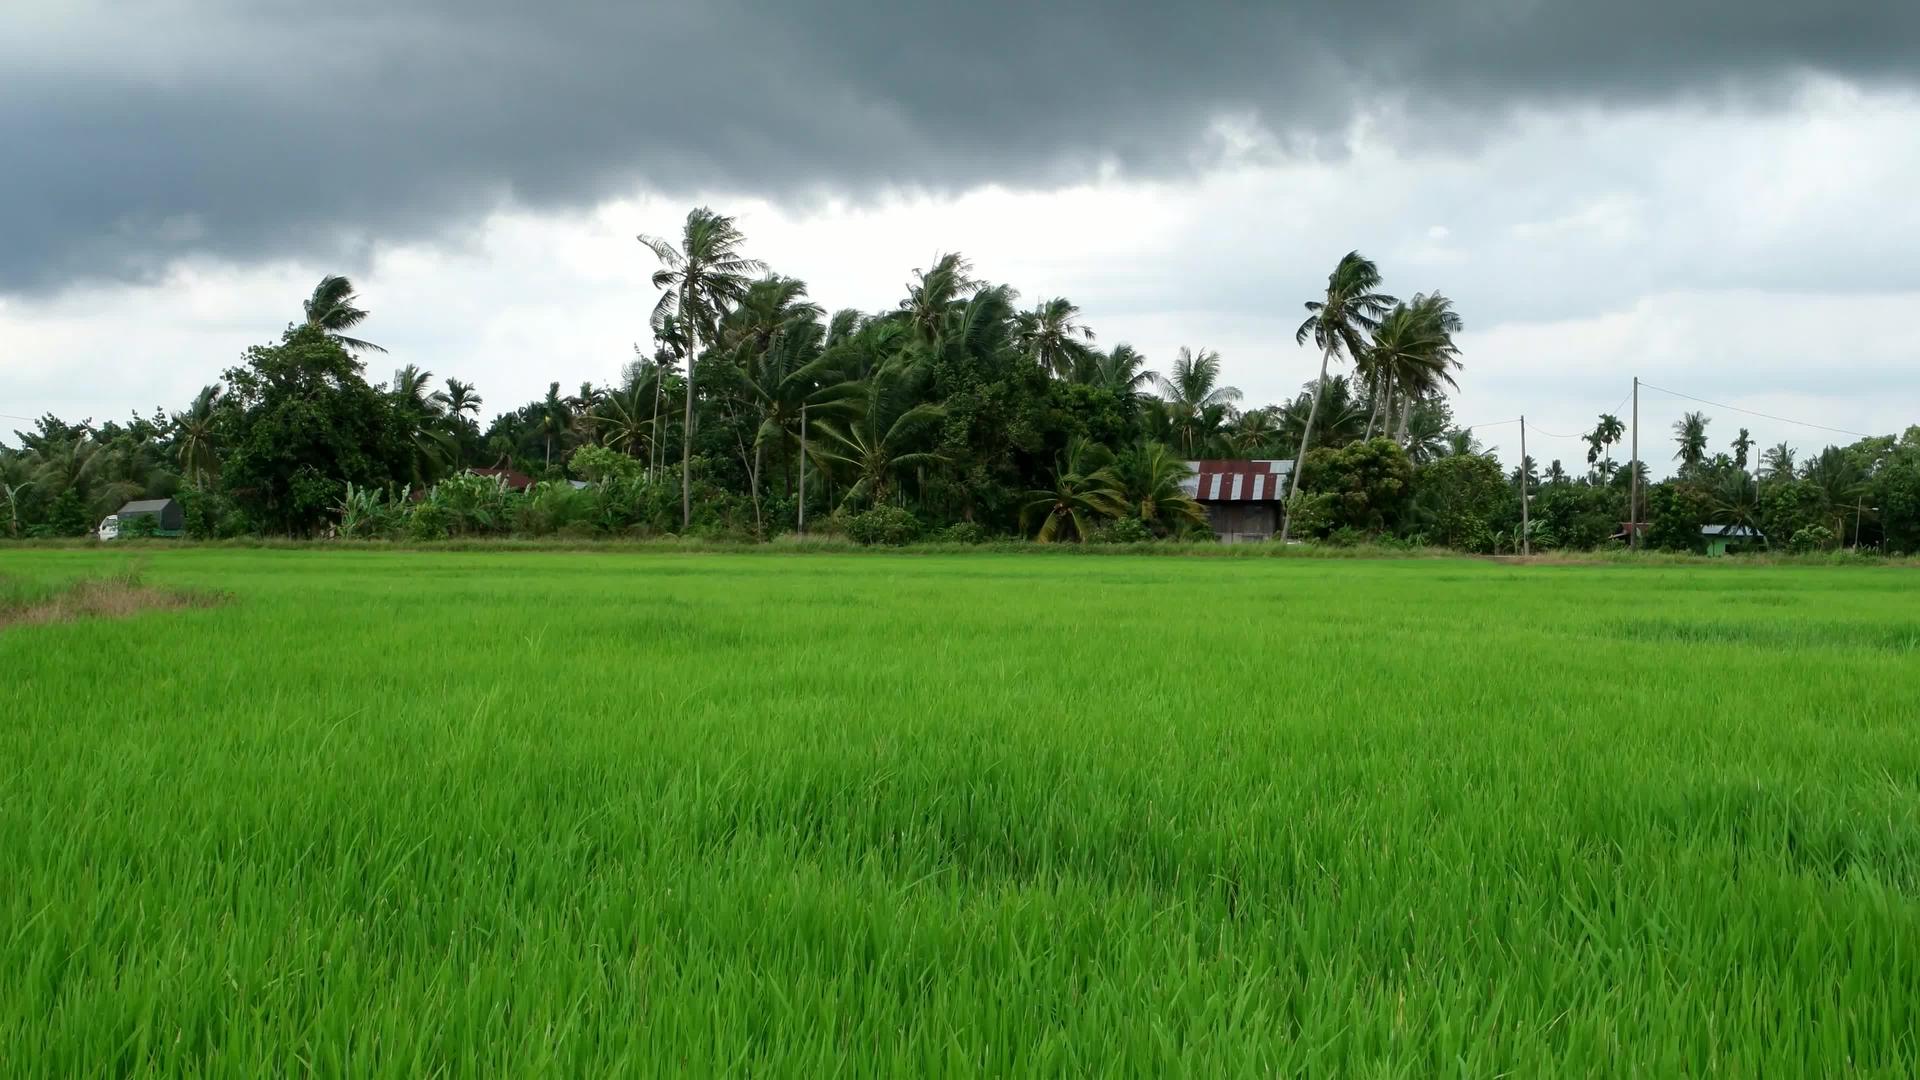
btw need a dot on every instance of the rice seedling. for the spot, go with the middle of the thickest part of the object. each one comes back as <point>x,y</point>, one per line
<point>391,813</point>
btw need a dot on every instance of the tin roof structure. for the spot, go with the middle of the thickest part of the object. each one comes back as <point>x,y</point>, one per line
<point>1230,480</point>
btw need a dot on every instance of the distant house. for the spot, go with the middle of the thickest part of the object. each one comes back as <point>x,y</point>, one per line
<point>1717,537</point>
<point>515,480</point>
<point>169,518</point>
<point>1243,498</point>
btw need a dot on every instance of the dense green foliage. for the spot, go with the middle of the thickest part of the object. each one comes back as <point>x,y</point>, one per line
<point>595,814</point>
<point>758,414</point>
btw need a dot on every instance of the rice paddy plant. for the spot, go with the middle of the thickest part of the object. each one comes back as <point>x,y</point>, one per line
<point>470,813</point>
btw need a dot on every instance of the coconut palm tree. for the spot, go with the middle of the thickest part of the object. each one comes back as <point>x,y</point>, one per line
<point>334,309</point>
<point>1425,437</point>
<point>698,281</point>
<point>1255,432</point>
<point>1690,432</point>
<point>1777,462</point>
<point>877,445</point>
<point>1195,402</point>
<point>622,418</point>
<point>932,293</point>
<point>1052,336</point>
<point>1411,356</point>
<point>1084,490</point>
<point>1122,372</point>
<point>1150,480</point>
<point>1338,322</point>
<point>1735,500</point>
<point>1840,482</point>
<point>194,438</point>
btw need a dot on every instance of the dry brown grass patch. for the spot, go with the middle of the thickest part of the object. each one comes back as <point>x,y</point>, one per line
<point>116,597</point>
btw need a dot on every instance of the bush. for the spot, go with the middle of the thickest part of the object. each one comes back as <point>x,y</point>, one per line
<point>429,521</point>
<point>1811,538</point>
<point>888,525</point>
<point>1126,530</point>
<point>963,532</point>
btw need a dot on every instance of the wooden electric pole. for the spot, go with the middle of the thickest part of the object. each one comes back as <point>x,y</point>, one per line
<point>1526,541</point>
<point>1633,497</point>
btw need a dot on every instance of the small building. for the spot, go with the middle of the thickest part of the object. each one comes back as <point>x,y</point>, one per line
<point>169,518</point>
<point>1243,498</point>
<point>514,479</point>
<point>1718,537</point>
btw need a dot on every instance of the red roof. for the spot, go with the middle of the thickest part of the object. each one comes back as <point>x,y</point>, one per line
<point>1238,480</point>
<point>516,481</point>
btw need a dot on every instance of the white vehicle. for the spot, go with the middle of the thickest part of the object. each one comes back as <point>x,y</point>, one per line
<point>110,527</point>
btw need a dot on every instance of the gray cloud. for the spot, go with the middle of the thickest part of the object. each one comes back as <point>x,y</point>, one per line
<point>137,133</point>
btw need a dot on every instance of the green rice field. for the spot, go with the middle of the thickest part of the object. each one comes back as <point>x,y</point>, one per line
<point>551,813</point>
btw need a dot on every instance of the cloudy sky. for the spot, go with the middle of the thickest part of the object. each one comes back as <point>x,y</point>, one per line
<point>1720,196</point>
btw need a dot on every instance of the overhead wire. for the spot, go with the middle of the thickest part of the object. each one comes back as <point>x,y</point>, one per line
<point>1754,412</point>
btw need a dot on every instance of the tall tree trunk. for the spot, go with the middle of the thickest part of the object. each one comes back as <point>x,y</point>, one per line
<point>803,468</point>
<point>1306,437</point>
<point>1406,416</point>
<point>753,481</point>
<point>653,433</point>
<point>686,435</point>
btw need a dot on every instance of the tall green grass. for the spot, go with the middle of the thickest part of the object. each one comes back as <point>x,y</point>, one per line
<point>466,813</point>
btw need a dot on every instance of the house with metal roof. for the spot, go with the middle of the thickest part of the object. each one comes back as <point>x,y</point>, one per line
<point>1717,537</point>
<point>1243,498</point>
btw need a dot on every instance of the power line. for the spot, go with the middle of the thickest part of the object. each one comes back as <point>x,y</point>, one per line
<point>1491,423</point>
<point>1751,412</point>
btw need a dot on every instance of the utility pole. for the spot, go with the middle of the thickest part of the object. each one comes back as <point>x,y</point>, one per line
<point>1526,541</point>
<point>803,468</point>
<point>1633,498</point>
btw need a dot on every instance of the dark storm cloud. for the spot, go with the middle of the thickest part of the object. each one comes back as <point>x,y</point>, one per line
<point>133,133</point>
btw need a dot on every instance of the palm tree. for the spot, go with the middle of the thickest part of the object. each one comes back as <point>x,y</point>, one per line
<point>1342,417</point>
<point>1194,401</point>
<point>1690,432</point>
<point>459,399</point>
<point>194,438</point>
<point>1742,446</point>
<point>585,407</point>
<point>1122,372</point>
<point>1425,434</point>
<point>1459,442</point>
<point>877,444</point>
<point>1412,353</point>
<point>1600,442</point>
<point>334,309</point>
<point>418,411</point>
<point>932,293</point>
<point>1736,501</point>
<point>1255,432</point>
<point>622,414</point>
<point>1151,484</point>
<point>1084,490</point>
<point>1840,482</point>
<point>1778,462</point>
<point>554,420</point>
<point>698,281</point>
<point>1337,322</point>
<point>1556,475</point>
<point>1052,336</point>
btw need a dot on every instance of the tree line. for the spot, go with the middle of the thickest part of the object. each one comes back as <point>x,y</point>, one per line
<point>960,414</point>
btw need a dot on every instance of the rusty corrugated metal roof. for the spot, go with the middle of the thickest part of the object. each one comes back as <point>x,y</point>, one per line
<point>1231,480</point>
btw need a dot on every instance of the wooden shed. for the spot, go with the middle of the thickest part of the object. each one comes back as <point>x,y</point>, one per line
<point>1243,497</point>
